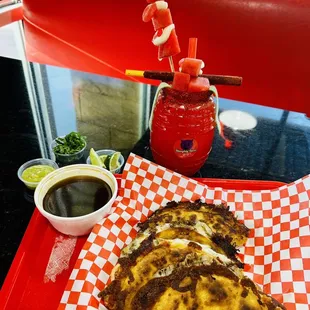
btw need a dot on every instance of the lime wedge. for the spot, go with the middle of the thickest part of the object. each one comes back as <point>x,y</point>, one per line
<point>103,157</point>
<point>112,161</point>
<point>95,159</point>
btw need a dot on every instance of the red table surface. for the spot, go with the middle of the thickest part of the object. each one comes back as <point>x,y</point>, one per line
<point>24,287</point>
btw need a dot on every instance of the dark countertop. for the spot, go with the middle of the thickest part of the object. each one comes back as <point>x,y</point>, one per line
<point>19,143</point>
<point>273,151</point>
<point>277,149</point>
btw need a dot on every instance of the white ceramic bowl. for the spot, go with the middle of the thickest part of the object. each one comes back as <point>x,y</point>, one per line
<point>34,162</point>
<point>108,152</point>
<point>80,225</point>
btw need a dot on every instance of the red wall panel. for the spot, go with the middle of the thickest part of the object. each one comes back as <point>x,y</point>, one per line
<point>266,42</point>
<point>11,14</point>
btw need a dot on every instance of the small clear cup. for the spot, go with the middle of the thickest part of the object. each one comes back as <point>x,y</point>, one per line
<point>68,158</point>
<point>34,162</point>
<point>109,152</point>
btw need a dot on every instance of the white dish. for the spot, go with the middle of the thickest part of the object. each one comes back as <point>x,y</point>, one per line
<point>238,120</point>
<point>80,225</point>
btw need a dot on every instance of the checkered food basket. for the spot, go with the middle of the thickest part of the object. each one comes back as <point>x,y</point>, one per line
<point>277,253</point>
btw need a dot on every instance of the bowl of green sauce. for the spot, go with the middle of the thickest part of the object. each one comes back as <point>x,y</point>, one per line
<point>33,171</point>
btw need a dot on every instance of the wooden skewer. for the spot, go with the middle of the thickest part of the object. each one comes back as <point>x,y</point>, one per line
<point>168,76</point>
<point>171,64</point>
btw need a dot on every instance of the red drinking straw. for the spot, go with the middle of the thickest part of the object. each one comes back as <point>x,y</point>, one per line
<point>192,47</point>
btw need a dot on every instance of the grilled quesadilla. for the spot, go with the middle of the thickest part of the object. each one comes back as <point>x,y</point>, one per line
<point>184,257</point>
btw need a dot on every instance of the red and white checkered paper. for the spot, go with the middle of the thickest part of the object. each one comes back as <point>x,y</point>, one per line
<point>277,252</point>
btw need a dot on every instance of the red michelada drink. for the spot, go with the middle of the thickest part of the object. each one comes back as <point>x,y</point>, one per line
<point>184,114</point>
<point>183,118</point>
<point>182,129</point>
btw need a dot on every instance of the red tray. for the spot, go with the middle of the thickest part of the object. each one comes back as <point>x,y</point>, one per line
<point>24,287</point>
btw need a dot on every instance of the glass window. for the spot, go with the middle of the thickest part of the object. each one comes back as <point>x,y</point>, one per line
<point>6,2</point>
<point>112,113</point>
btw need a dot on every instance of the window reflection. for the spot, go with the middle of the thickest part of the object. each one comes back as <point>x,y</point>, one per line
<point>114,113</point>
<point>61,98</point>
<point>110,112</point>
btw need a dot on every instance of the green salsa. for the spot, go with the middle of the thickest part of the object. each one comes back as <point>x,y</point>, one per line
<point>36,173</point>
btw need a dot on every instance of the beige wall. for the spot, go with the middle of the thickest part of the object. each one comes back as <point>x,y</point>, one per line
<point>109,112</point>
